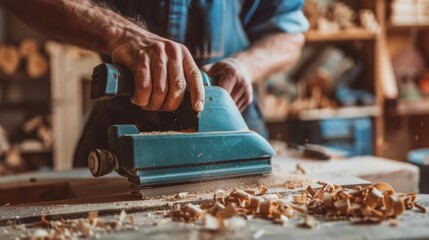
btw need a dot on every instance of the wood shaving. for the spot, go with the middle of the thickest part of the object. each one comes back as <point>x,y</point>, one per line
<point>420,207</point>
<point>393,222</point>
<point>262,189</point>
<point>227,212</point>
<point>299,198</point>
<point>362,204</point>
<point>300,169</point>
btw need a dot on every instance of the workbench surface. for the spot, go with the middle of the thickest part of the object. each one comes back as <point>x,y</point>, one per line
<point>74,195</point>
<point>411,225</point>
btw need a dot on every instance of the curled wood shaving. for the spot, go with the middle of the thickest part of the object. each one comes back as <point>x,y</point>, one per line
<point>362,204</point>
<point>215,208</point>
<point>372,204</point>
<point>262,189</point>
<point>241,197</point>
<point>219,196</point>
<point>299,198</point>
<point>228,212</point>
<point>266,208</point>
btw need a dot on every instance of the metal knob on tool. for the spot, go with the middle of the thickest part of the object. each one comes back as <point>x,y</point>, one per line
<point>101,162</point>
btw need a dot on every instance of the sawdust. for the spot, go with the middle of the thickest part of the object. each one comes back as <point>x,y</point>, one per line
<point>91,227</point>
<point>190,130</point>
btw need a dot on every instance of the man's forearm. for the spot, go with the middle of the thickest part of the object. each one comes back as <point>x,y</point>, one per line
<point>79,22</point>
<point>272,54</point>
<point>162,68</point>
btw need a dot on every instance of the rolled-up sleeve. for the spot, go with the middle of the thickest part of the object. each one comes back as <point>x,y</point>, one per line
<point>265,17</point>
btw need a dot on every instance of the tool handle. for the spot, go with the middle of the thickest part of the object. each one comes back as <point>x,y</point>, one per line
<point>109,81</point>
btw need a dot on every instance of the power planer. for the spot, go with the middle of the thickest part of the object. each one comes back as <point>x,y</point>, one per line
<point>221,146</point>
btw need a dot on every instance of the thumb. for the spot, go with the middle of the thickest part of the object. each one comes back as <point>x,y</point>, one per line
<point>212,69</point>
<point>206,68</point>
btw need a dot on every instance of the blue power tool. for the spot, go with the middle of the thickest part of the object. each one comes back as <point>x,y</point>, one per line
<point>221,147</point>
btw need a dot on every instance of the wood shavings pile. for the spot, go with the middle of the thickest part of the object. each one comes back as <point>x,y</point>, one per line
<point>92,227</point>
<point>374,203</point>
<point>370,204</point>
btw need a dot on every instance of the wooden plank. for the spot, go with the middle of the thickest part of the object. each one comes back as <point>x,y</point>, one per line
<point>348,35</point>
<point>150,225</point>
<point>114,204</point>
<point>109,196</point>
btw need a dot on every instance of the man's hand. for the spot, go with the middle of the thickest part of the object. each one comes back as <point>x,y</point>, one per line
<point>162,69</point>
<point>271,54</point>
<point>234,78</point>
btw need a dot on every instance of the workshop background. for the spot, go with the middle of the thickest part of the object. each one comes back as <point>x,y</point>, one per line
<point>360,88</point>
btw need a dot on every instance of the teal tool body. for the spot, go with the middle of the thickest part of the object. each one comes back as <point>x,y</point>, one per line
<point>221,147</point>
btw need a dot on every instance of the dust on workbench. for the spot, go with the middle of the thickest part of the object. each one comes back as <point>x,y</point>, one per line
<point>230,211</point>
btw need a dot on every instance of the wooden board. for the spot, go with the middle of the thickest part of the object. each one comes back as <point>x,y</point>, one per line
<point>109,195</point>
<point>412,225</point>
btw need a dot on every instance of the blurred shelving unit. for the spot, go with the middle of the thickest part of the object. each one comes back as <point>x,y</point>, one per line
<point>399,124</point>
<point>404,119</point>
<point>23,97</point>
<point>372,78</point>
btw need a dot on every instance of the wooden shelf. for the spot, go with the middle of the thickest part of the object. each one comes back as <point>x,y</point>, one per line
<point>407,27</point>
<point>344,112</point>
<point>349,35</point>
<point>412,107</point>
<point>322,114</point>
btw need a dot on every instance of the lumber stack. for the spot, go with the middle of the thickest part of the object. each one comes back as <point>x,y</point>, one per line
<point>26,56</point>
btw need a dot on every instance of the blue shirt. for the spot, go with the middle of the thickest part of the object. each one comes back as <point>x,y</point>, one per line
<point>215,29</point>
<point>212,30</point>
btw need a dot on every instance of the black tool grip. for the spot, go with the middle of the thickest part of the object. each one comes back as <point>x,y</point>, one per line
<point>109,81</point>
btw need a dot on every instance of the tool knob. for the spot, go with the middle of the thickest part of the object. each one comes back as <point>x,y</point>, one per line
<point>101,162</point>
